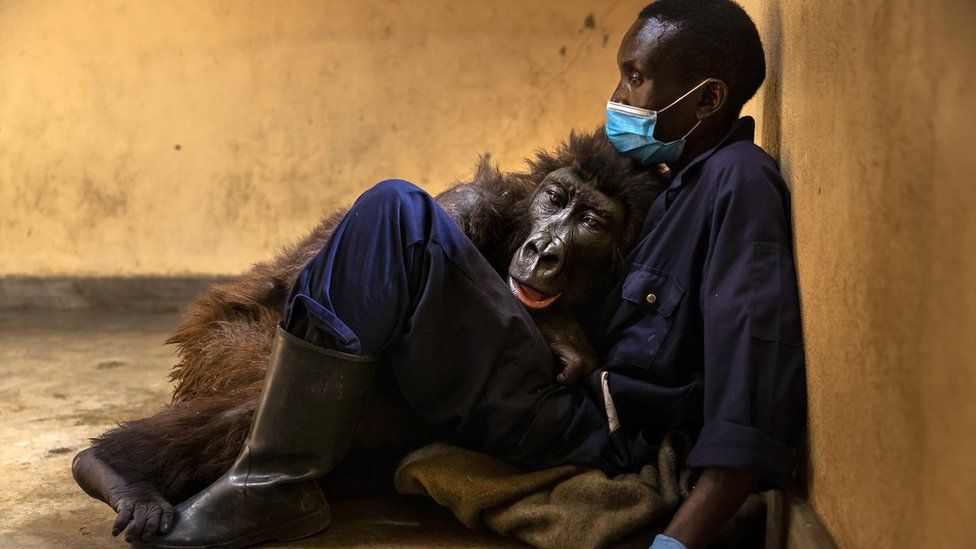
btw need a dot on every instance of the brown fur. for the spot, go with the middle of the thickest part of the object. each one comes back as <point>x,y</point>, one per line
<point>225,337</point>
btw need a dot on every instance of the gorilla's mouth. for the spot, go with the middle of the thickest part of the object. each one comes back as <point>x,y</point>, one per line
<point>532,299</point>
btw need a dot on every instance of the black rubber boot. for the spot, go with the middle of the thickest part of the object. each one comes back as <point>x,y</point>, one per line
<point>306,419</point>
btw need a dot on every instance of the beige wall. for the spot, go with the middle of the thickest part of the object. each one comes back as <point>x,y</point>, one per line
<point>282,111</point>
<point>870,107</point>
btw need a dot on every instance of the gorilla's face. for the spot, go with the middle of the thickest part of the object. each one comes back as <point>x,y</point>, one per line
<point>574,231</point>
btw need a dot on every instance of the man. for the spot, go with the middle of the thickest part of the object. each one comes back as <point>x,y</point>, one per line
<point>702,334</point>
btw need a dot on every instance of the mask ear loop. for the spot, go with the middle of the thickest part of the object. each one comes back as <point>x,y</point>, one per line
<point>689,92</point>
<point>678,100</point>
<point>685,136</point>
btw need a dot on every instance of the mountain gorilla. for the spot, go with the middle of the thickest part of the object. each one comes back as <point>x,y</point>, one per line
<point>558,232</point>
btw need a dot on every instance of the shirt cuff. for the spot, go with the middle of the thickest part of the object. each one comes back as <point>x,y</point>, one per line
<point>666,542</point>
<point>726,444</point>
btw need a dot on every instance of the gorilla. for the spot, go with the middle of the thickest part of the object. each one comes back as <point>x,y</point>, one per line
<point>557,231</point>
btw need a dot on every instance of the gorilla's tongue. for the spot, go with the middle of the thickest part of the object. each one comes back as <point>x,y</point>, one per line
<point>532,299</point>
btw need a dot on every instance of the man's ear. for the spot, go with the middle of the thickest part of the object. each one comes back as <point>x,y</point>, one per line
<point>712,98</point>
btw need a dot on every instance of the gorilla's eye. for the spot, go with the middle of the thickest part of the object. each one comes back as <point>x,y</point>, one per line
<point>553,198</point>
<point>591,221</point>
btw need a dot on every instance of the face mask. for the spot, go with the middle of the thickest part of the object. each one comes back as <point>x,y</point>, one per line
<point>631,130</point>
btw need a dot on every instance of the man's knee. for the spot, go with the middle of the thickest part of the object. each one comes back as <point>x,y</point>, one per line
<point>403,204</point>
<point>394,205</point>
<point>392,192</point>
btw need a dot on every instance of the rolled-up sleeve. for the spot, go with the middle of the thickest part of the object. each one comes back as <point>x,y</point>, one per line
<point>754,379</point>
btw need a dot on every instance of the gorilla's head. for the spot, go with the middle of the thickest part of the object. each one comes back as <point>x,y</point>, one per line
<point>585,211</point>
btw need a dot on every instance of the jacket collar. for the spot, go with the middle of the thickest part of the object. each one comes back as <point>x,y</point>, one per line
<point>742,129</point>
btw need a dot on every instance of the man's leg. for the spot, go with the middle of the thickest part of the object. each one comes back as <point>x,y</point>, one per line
<point>399,278</point>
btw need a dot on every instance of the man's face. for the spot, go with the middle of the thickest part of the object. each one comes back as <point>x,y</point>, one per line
<point>649,79</point>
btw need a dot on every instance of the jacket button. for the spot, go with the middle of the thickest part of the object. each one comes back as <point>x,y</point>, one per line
<point>651,298</point>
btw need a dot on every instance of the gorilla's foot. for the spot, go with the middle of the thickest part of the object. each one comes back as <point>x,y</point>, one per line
<point>228,515</point>
<point>93,475</point>
<point>139,504</point>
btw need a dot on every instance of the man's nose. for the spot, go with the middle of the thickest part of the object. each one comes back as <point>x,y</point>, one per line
<point>618,95</point>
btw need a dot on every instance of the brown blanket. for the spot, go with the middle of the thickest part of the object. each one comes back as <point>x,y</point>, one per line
<point>572,506</point>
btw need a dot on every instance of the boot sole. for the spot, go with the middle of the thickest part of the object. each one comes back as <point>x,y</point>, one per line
<point>290,531</point>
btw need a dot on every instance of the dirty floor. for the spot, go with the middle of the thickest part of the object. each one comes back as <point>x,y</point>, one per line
<point>68,376</point>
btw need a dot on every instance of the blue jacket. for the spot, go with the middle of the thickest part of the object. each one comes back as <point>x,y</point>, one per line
<point>703,332</point>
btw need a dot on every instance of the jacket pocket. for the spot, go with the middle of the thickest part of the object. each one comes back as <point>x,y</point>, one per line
<point>652,296</point>
<point>774,306</point>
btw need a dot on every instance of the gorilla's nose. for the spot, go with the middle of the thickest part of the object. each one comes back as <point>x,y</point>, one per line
<point>546,255</point>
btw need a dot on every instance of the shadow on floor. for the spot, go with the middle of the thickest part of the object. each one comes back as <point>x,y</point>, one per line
<point>68,376</point>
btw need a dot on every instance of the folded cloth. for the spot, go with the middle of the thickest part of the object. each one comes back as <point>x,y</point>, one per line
<point>571,506</point>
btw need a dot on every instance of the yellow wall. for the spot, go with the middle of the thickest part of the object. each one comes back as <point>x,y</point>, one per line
<point>870,107</point>
<point>282,111</point>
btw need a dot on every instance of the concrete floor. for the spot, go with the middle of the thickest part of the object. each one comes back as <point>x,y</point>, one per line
<point>68,376</point>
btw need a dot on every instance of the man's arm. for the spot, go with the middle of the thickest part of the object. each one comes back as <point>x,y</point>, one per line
<point>754,383</point>
<point>717,495</point>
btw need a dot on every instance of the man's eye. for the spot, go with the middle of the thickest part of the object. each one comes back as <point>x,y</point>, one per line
<point>635,79</point>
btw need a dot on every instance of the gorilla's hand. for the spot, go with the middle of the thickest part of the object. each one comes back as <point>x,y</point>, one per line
<point>570,345</point>
<point>143,509</point>
<point>140,505</point>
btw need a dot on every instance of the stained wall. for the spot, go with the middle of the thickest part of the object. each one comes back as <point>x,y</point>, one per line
<point>870,108</point>
<point>195,137</point>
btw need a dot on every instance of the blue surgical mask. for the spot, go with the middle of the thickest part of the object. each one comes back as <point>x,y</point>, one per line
<point>631,130</point>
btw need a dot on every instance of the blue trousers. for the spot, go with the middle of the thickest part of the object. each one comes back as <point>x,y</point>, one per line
<point>398,278</point>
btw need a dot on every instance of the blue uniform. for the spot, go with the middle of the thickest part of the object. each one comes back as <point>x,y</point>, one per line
<point>702,334</point>
<point>704,331</point>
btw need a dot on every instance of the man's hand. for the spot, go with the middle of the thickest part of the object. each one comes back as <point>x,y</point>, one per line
<point>717,495</point>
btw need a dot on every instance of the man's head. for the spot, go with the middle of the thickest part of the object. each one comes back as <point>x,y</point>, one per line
<point>676,44</point>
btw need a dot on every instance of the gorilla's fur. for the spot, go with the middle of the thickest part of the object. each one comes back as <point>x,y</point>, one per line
<point>224,340</point>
